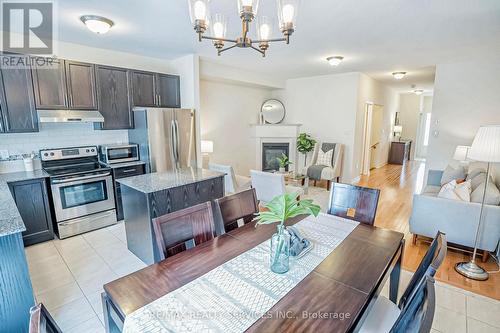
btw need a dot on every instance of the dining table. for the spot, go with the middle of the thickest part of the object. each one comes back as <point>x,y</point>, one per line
<point>335,296</point>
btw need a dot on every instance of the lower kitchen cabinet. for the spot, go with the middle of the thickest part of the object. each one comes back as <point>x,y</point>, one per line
<point>122,172</point>
<point>32,201</point>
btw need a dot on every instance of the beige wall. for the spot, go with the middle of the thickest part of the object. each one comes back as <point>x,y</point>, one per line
<point>466,95</point>
<point>409,108</point>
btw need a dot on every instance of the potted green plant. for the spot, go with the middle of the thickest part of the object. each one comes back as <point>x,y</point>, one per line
<point>305,144</point>
<point>283,161</point>
<point>279,210</point>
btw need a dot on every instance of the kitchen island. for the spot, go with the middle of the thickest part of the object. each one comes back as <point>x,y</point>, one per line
<point>148,196</point>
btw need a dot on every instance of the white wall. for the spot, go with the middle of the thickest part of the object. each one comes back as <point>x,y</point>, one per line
<point>466,95</point>
<point>409,108</point>
<point>228,109</point>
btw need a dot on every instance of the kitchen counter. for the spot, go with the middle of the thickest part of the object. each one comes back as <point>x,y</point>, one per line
<point>159,181</point>
<point>10,220</point>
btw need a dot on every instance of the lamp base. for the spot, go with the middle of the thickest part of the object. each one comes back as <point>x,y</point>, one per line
<point>471,270</point>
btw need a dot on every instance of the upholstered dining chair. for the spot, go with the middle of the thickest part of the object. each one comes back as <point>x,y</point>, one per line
<point>416,317</point>
<point>175,232</point>
<point>326,163</point>
<point>233,183</point>
<point>269,185</point>
<point>388,314</point>
<point>354,202</point>
<point>241,206</point>
<point>41,321</point>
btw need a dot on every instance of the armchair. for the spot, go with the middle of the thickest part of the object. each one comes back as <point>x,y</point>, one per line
<point>328,173</point>
<point>233,183</point>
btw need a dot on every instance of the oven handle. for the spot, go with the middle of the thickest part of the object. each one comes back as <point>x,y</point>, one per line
<point>56,181</point>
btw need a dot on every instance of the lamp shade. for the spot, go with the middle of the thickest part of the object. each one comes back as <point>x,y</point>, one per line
<point>398,129</point>
<point>461,153</point>
<point>207,146</point>
<point>486,144</point>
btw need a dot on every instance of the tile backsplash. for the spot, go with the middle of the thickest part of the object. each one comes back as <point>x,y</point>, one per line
<point>54,135</point>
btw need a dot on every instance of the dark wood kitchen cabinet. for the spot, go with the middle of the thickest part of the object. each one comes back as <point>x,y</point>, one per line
<point>113,98</point>
<point>155,89</point>
<point>123,172</point>
<point>64,84</point>
<point>17,105</point>
<point>32,201</point>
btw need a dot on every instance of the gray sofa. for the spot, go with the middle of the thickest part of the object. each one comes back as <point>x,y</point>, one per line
<point>458,219</point>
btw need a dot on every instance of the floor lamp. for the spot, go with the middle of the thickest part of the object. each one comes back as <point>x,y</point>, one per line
<point>485,148</point>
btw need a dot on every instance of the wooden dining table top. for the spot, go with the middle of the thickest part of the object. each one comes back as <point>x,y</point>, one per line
<point>342,285</point>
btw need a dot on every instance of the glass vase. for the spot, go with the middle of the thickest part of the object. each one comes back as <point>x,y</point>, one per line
<point>280,251</point>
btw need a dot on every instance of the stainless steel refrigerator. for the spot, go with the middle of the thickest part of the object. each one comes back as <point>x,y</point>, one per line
<point>166,138</point>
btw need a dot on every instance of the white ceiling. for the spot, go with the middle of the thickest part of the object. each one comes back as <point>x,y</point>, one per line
<point>375,36</point>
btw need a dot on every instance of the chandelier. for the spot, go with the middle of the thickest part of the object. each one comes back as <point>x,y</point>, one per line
<point>200,17</point>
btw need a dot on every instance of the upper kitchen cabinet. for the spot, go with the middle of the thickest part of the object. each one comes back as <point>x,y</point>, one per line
<point>17,105</point>
<point>113,98</point>
<point>168,90</point>
<point>155,89</point>
<point>81,87</point>
<point>60,84</point>
<point>143,88</point>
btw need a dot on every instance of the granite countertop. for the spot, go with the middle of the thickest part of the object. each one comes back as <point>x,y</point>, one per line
<point>158,181</point>
<point>123,165</point>
<point>10,220</point>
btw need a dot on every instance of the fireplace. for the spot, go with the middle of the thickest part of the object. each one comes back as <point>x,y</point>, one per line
<point>270,154</point>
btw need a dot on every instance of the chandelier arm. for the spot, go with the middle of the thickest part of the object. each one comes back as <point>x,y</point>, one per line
<point>227,48</point>
<point>269,40</point>
<point>220,39</point>
<point>256,49</point>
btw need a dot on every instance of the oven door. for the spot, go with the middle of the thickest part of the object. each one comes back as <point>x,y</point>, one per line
<point>82,195</point>
<point>121,154</point>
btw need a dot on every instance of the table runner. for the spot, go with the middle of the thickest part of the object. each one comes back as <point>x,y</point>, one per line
<point>231,297</point>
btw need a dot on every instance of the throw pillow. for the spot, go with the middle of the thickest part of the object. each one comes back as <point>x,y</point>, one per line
<point>455,191</point>
<point>474,172</point>
<point>478,180</point>
<point>325,158</point>
<point>491,197</point>
<point>451,173</point>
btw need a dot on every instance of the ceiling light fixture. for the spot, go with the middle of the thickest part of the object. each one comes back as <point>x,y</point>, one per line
<point>98,24</point>
<point>287,17</point>
<point>418,91</point>
<point>399,75</point>
<point>335,61</point>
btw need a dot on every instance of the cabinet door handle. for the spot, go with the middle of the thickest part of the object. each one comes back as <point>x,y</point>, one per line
<point>128,170</point>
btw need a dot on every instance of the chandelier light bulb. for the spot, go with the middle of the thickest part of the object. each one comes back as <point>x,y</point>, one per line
<point>398,75</point>
<point>247,2</point>
<point>288,12</point>
<point>218,30</point>
<point>265,31</point>
<point>200,10</point>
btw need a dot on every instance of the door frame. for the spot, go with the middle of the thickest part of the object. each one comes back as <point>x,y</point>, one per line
<point>367,133</point>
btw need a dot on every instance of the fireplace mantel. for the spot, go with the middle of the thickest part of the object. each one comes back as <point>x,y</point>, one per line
<point>279,133</point>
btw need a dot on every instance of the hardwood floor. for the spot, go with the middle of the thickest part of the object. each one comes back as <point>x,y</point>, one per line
<point>398,184</point>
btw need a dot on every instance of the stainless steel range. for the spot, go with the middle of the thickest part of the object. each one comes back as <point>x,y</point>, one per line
<point>82,189</point>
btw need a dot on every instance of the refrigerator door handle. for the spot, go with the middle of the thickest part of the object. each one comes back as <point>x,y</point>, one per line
<point>173,136</point>
<point>177,139</point>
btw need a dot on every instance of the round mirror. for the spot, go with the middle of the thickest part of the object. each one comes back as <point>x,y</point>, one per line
<point>273,111</point>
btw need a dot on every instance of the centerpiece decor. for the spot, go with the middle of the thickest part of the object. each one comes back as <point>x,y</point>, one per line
<point>305,144</point>
<point>284,162</point>
<point>280,209</point>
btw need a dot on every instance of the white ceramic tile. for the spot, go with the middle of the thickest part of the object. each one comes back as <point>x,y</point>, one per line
<point>476,326</point>
<point>73,314</point>
<point>96,303</point>
<point>51,279</point>
<point>94,283</point>
<point>93,325</point>
<point>40,251</point>
<point>484,309</point>
<point>60,296</point>
<point>448,321</point>
<point>101,237</point>
<point>434,331</point>
<point>450,299</point>
<point>86,267</point>
<point>127,266</point>
<point>73,249</point>
<point>44,266</point>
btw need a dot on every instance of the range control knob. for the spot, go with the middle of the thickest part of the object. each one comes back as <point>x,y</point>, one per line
<point>92,150</point>
<point>87,151</point>
<point>51,154</point>
<point>46,154</point>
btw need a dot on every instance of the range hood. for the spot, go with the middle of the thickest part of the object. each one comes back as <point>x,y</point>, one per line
<point>70,116</point>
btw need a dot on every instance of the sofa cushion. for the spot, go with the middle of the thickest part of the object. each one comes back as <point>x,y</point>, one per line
<point>492,195</point>
<point>477,180</point>
<point>431,190</point>
<point>451,173</point>
<point>474,172</point>
<point>455,191</point>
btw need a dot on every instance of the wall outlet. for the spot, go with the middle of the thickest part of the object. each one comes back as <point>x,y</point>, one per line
<point>4,154</point>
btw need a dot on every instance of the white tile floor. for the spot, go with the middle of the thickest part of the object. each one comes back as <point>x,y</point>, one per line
<point>68,275</point>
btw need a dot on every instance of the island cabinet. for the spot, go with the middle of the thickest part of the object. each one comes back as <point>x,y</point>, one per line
<point>148,196</point>
<point>17,105</point>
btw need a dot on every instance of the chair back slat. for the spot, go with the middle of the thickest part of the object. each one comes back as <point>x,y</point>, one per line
<point>428,266</point>
<point>418,315</point>
<point>41,321</point>
<point>175,232</point>
<point>242,205</point>
<point>354,202</point>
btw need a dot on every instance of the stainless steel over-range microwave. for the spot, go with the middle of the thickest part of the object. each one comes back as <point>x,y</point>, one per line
<point>119,153</point>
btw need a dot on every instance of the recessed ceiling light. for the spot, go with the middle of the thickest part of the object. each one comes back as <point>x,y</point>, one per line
<point>399,75</point>
<point>97,24</point>
<point>335,61</point>
<point>418,91</point>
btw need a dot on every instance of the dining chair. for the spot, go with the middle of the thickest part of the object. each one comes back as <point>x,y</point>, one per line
<point>354,202</point>
<point>175,232</point>
<point>236,207</point>
<point>41,321</point>
<point>269,185</point>
<point>415,317</point>
<point>232,183</point>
